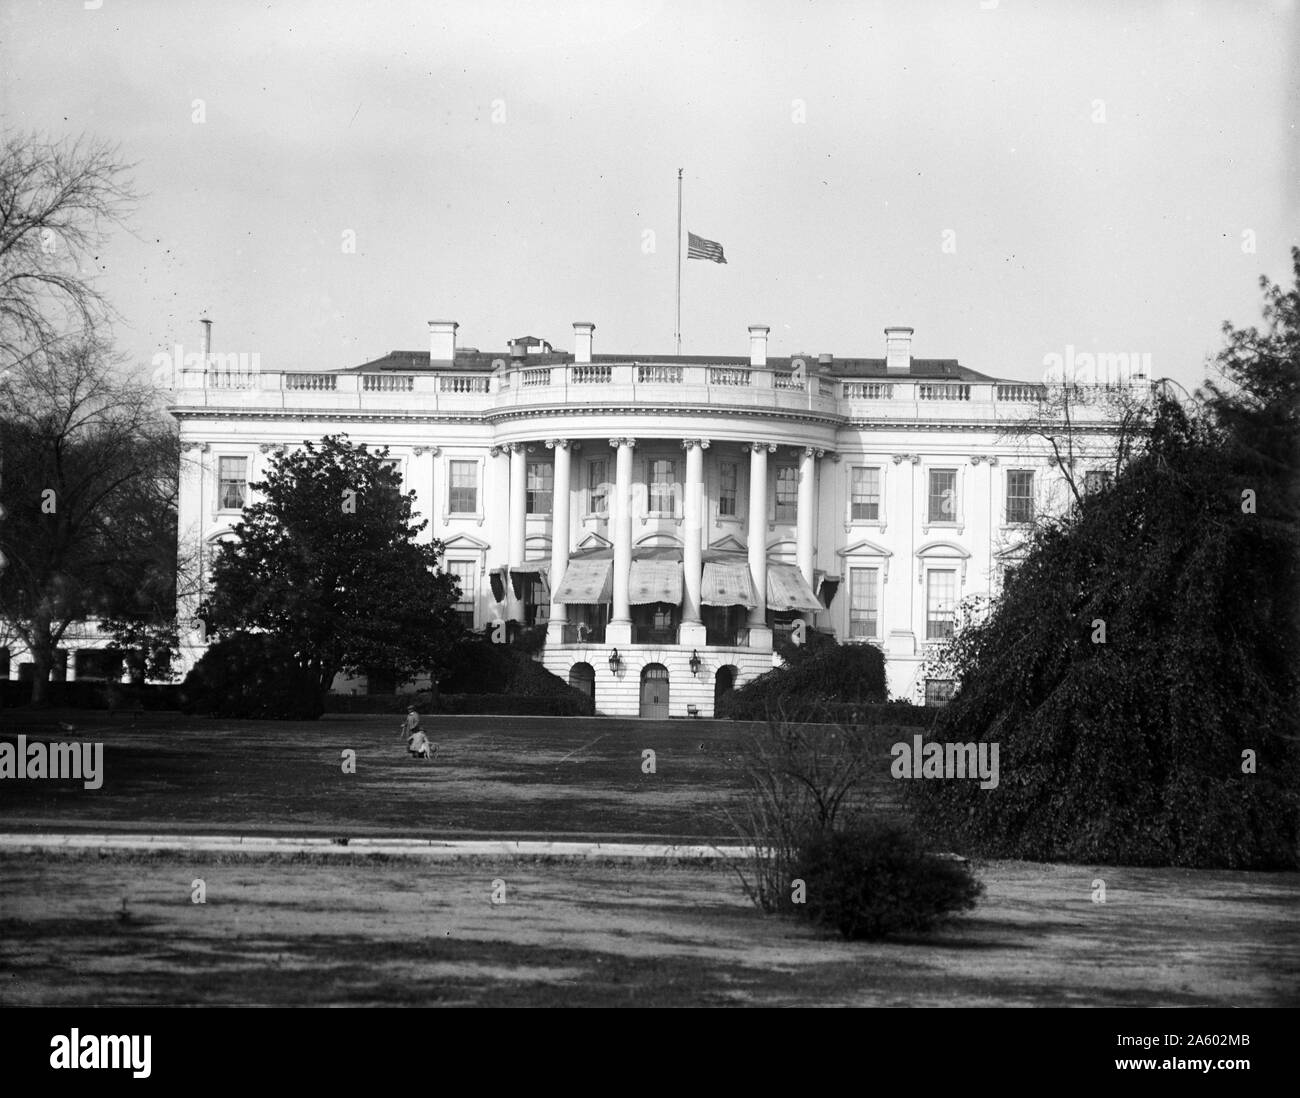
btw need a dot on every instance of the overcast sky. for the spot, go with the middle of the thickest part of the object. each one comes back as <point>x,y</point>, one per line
<point>1096,171</point>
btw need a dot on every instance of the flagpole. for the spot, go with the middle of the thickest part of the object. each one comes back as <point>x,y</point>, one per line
<point>678,332</point>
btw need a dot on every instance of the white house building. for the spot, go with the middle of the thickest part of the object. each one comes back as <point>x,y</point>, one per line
<point>664,516</point>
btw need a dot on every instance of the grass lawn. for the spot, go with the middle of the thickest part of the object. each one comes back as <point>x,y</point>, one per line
<point>121,929</point>
<point>310,932</point>
<point>505,776</point>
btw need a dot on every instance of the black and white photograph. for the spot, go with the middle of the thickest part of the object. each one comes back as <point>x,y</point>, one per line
<point>646,505</point>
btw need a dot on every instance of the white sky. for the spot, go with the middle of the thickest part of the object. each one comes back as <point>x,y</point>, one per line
<point>921,117</point>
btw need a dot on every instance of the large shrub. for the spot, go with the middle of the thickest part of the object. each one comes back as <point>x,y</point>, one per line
<point>505,672</point>
<point>797,781</point>
<point>815,679</point>
<point>876,879</point>
<point>251,675</point>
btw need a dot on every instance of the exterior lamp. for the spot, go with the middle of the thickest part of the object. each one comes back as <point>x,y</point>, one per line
<point>695,662</point>
<point>614,662</point>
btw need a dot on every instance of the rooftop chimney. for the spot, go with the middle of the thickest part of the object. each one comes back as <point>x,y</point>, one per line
<point>758,344</point>
<point>582,330</point>
<point>207,341</point>
<point>824,360</point>
<point>898,350</point>
<point>442,341</point>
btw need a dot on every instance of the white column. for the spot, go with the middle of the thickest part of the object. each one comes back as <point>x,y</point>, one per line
<point>619,630</point>
<point>760,636</point>
<point>518,524</point>
<point>692,630</point>
<point>559,537</point>
<point>807,518</point>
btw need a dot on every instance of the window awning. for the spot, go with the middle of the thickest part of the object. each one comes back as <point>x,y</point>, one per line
<point>521,573</point>
<point>788,590</point>
<point>655,581</point>
<point>727,583</point>
<point>585,581</point>
<point>497,578</point>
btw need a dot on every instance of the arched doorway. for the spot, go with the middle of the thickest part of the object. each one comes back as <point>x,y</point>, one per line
<point>654,691</point>
<point>724,682</point>
<point>582,676</point>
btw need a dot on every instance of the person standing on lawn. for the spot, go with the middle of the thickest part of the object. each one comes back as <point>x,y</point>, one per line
<point>417,743</point>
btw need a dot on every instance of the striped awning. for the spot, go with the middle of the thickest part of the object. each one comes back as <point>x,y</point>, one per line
<point>788,590</point>
<point>655,581</point>
<point>585,581</point>
<point>520,574</point>
<point>727,583</point>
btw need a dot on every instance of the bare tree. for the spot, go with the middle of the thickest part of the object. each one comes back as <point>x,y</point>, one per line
<point>57,201</point>
<point>88,466</point>
<point>1060,420</point>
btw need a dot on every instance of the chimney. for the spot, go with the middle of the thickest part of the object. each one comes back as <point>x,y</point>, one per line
<point>758,344</point>
<point>207,341</point>
<point>898,350</point>
<point>824,361</point>
<point>582,330</point>
<point>442,341</point>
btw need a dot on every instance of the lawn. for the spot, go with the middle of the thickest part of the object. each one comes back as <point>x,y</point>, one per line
<point>120,928</point>
<point>517,777</point>
<point>123,930</point>
<point>505,776</point>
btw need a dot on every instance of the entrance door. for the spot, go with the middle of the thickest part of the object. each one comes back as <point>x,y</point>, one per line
<point>654,691</point>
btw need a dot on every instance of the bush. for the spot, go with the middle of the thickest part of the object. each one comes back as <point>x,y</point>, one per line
<point>815,677</point>
<point>876,879</point>
<point>509,681</point>
<point>253,676</point>
<point>799,781</point>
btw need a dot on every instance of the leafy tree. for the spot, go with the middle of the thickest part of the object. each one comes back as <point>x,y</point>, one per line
<point>1138,671</point>
<point>87,496</point>
<point>327,563</point>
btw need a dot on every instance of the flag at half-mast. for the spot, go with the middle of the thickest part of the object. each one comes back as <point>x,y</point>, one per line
<point>699,248</point>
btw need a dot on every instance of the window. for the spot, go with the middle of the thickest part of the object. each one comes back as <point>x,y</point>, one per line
<point>943,495</point>
<point>1020,495</point>
<point>864,495</point>
<point>940,603</point>
<point>939,691</point>
<point>464,572</point>
<point>728,479</point>
<point>862,603</point>
<point>597,488</point>
<point>663,486</point>
<point>537,602</point>
<point>395,464</point>
<point>462,498</point>
<point>540,484</point>
<point>1096,480</point>
<point>787,493</point>
<point>232,489</point>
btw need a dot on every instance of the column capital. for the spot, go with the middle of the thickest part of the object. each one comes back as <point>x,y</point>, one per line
<point>420,451</point>
<point>496,451</point>
<point>759,447</point>
<point>897,459</point>
<point>991,460</point>
<point>689,443</point>
<point>558,444</point>
<point>617,442</point>
<point>915,459</point>
<point>813,451</point>
<point>976,459</point>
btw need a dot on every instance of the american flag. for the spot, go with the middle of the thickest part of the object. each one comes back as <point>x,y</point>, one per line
<point>699,248</point>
